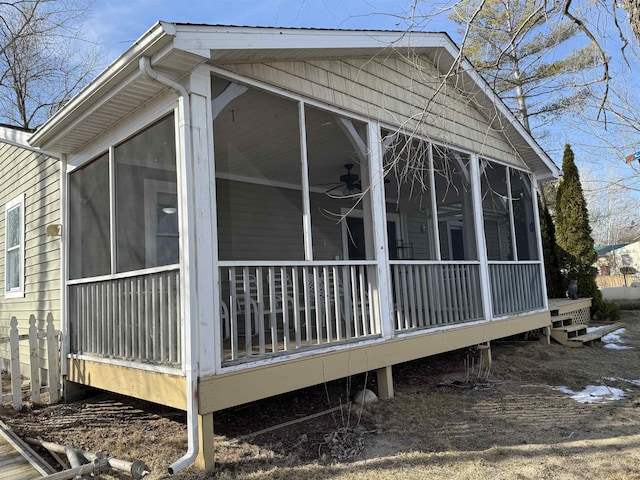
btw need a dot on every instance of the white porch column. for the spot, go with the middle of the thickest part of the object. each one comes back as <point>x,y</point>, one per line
<point>485,284</point>
<point>202,199</point>
<point>379,227</point>
<point>536,222</point>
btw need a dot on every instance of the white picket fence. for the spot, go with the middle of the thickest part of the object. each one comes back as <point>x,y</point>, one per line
<point>36,341</point>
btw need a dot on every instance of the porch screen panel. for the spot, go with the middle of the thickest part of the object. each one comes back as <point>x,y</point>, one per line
<point>454,204</point>
<point>338,166</point>
<point>522,198</point>
<point>408,192</point>
<point>258,169</point>
<point>495,211</point>
<point>146,199</point>
<point>90,238</point>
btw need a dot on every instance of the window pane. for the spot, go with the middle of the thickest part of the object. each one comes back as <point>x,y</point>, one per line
<point>14,217</point>
<point>495,211</point>
<point>454,204</point>
<point>258,185</point>
<point>408,192</point>
<point>145,180</point>
<point>13,269</point>
<point>89,242</point>
<point>523,215</point>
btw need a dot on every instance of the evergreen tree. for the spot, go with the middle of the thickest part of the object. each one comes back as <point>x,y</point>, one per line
<point>576,253</point>
<point>522,48</point>
<point>551,266</point>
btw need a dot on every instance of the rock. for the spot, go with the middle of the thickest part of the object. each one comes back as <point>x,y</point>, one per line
<point>365,397</point>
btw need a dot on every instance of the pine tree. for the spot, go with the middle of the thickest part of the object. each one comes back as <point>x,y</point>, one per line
<point>576,253</point>
<point>551,266</point>
<point>525,49</point>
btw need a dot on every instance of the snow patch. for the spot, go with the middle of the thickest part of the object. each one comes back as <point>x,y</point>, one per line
<point>614,337</point>
<point>618,379</point>
<point>593,393</point>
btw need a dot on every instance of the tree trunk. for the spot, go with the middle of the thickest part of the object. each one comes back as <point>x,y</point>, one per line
<point>633,11</point>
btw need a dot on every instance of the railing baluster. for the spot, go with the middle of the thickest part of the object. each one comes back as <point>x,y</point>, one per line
<point>327,304</point>
<point>260,312</point>
<point>418,292</point>
<point>284,294</point>
<point>170,321</point>
<point>272,308</point>
<point>247,302</point>
<point>335,296</point>
<point>296,305</point>
<point>353,304</point>
<point>308,318</point>
<point>345,301</point>
<point>233,313</point>
<point>140,317</point>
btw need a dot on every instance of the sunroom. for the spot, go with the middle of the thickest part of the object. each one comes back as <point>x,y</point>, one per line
<point>250,211</point>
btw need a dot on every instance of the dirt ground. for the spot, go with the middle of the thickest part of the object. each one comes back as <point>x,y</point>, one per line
<point>442,423</point>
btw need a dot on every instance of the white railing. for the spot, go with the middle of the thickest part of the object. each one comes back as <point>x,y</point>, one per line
<point>427,295</point>
<point>43,363</point>
<point>134,316</point>
<point>276,307</point>
<point>516,287</point>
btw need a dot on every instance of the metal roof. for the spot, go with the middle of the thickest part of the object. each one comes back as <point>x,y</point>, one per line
<point>176,49</point>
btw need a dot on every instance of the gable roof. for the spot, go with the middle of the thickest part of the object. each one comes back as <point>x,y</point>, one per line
<point>175,49</point>
<point>604,249</point>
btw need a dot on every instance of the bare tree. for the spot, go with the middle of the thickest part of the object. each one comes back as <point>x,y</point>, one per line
<point>41,65</point>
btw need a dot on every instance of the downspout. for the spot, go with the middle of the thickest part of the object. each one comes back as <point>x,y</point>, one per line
<point>191,366</point>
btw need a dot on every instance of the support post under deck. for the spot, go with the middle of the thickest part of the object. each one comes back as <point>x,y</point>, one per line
<point>385,382</point>
<point>205,459</point>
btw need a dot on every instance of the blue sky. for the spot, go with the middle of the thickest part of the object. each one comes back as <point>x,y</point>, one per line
<point>116,24</point>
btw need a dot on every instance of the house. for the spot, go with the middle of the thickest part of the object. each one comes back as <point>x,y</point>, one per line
<point>30,258</point>
<point>249,211</point>
<point>611,258</point>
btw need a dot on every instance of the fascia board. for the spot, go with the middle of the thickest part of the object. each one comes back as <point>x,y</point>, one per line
<point>198,39</point>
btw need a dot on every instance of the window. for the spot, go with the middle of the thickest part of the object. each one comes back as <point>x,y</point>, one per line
<point>14,248</point>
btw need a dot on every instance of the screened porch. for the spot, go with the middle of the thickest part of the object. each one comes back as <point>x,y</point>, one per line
<point>315,246</point>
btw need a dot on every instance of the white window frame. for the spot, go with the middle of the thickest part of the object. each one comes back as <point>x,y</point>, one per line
<point>15,292</point>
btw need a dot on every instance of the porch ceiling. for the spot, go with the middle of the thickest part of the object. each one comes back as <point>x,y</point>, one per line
<point>176,49</point>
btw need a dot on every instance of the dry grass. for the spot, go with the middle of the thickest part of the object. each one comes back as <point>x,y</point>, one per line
<point>514,427</point>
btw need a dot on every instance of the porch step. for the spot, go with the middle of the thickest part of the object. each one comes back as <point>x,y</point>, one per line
<point>566,334</point>
<point>598,333</point>
<point>559,321</point>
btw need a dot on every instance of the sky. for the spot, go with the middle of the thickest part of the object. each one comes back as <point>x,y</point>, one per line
<point>116,24</point>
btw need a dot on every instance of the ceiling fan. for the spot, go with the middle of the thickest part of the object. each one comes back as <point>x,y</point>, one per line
<point>349,182</point>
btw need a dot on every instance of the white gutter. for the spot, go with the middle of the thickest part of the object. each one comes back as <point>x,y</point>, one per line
<point>190,356</point>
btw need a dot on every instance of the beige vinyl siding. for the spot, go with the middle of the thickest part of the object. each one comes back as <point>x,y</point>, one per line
<point>246,223</point>
<point>393,91</point>
<point>257,222</point>
<point>37,176</point>
<point>418,239</point>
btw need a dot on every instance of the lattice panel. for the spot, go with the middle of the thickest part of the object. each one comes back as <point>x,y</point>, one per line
<point>581,316</point>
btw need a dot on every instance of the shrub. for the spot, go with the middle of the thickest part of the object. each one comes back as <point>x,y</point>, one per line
<point>607,312</point>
